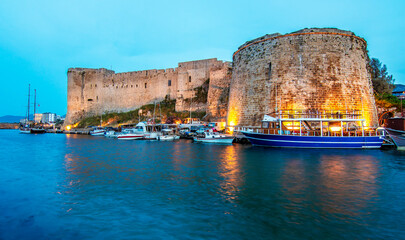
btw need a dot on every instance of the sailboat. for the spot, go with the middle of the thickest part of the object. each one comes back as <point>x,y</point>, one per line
<point>27,128</point>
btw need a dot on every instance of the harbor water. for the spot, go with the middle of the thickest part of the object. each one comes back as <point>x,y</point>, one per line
<point>57,186</point>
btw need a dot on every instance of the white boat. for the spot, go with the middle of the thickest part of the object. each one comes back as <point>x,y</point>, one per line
<point>168,135</point>
<point>111,134</point>
<point>97,132</point>
<point>130,134</point>
<point>152,136</point>
<point>25,130</point>
<point>214,137</point>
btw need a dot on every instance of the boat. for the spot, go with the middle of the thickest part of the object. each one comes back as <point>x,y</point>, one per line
<point>152,135</point>
<point>130,134</point>
<point>396,130</point>
<point>25,129</point>
<point>111,134</point>
<point>31,127</point>
<point>168,135</point>
<point>214,137</point>
<point>37,130</point>
<point>299,129</point>
<point>98,131</point>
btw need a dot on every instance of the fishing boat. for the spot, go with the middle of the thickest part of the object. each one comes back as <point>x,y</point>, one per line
<point>396,130</point>
<point>299,129</point>
<point>214,137</point>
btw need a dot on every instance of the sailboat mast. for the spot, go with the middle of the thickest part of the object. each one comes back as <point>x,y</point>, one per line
<point>28,109</point>
<point>35,102</point>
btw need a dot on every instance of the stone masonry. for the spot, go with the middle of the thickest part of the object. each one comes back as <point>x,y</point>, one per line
<point>95,91</point>
<point>322,69</point>
<point>312,69</point>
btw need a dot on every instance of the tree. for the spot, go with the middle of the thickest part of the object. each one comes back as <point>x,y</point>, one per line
<point>382,81</point>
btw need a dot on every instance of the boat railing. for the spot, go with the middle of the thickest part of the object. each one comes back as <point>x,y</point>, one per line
<point>345,133</point>
<point>319,114</point>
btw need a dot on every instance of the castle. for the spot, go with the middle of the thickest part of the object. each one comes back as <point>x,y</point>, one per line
<point>317,68</point>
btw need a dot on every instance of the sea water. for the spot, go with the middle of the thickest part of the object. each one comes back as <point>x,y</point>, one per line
<point>56,186</point>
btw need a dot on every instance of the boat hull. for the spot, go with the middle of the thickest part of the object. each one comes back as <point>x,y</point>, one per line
<point>97,133</point>
<point>289,141</point>
<point>398,137</point>
<point>215,140</point>
<point>25,131</point>
<point>168,138</point>
<point>129,137</point>
<point>37,130</point>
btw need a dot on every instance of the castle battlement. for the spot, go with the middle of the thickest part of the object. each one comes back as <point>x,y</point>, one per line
<point>96,91</point>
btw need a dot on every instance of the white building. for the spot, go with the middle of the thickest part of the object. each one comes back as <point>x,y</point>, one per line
<point>48,117</point>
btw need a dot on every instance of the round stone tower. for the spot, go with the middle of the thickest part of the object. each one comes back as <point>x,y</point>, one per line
<point>317,69</point>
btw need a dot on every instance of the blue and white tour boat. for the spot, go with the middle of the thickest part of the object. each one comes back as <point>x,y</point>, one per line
<point>298,129</point>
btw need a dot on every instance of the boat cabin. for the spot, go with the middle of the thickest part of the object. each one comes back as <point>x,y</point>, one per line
<point>302,123</point>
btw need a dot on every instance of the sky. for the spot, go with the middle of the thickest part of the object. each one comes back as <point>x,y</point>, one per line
<point>40,40</point>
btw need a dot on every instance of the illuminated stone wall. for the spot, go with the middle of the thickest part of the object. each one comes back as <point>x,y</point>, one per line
<point>95,91</point>
<point>312,69</point>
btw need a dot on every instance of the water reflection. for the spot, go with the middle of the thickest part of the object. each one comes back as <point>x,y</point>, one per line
<point>335,184</point>
<point>349,182</point>
<point>230,172</point>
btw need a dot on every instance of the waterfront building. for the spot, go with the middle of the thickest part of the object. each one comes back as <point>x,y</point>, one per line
<point>38,117</point>
<point>48,117</point>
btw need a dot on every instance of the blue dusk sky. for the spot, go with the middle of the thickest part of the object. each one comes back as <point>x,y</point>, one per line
<point>40,40</point>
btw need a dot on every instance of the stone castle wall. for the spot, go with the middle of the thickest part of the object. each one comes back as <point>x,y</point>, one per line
<point>95,91</point>
<point>312,69</point>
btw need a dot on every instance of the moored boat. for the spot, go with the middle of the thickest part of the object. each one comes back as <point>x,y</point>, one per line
<point>168,135</point>
<point>97,131</point>
<point>111,134</point>
<point>25,130</point>
<point>130,134</point>
<point>396,130</point>
<point>214,137</point>
<point>302,130</point>
<point>37,130</point>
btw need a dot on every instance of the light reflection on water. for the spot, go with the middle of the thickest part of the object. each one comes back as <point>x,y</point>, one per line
<point>76,187</point>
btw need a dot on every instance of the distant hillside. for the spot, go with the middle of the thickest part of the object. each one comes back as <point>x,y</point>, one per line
<point>12,119</point>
